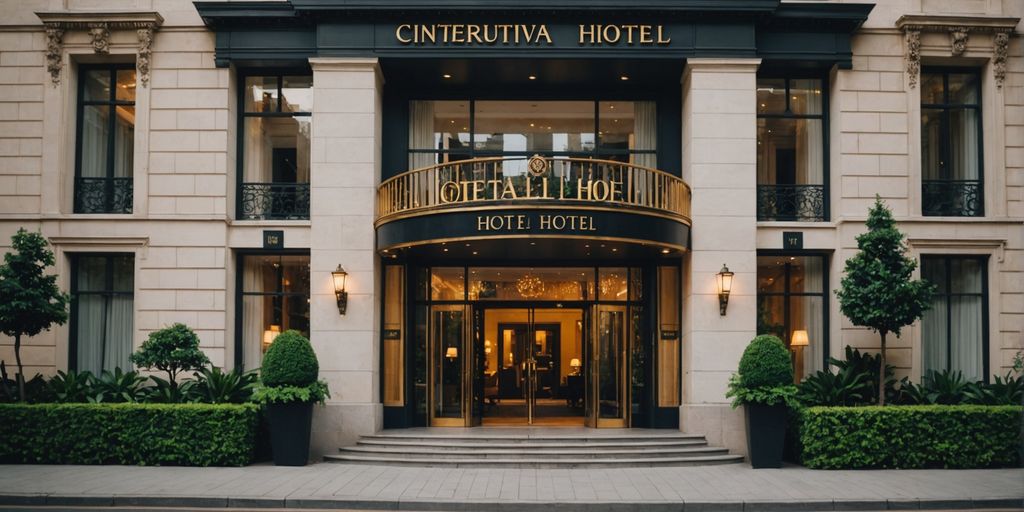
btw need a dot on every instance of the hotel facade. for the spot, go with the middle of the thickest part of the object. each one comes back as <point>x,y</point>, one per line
<point>507,213</point>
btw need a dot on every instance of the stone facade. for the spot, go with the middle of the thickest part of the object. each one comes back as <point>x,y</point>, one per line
<point>185,237</point>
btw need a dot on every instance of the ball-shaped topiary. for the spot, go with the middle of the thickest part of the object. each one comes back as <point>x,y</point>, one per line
<point>289,361</point>
<point>765,363</point>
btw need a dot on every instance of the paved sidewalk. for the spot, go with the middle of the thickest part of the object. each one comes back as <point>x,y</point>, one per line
<point>726,487</point>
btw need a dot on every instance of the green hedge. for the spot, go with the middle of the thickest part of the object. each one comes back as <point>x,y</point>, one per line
<point>142,434</point>
<point>910,436</point>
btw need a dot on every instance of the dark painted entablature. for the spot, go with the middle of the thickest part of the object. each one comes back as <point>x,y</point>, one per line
<point>260,32</point>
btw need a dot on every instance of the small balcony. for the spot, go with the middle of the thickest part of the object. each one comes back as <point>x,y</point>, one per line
<point>273,201</point>
<point>801,203</point>
<point>952,198</point>
<point>103,195</point>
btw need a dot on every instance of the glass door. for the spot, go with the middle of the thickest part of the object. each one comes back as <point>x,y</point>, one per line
<point>608,383</point>
<point>450,364</point>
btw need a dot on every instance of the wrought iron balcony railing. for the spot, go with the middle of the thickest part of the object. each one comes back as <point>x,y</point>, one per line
<point>502,181</point>
<point>103,195</point>
<point>952,198</point>
<point>273,201</point>
<point>804,203</point>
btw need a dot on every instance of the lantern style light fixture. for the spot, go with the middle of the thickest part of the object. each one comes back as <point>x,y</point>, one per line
<point>340,276</point>
<point>724,288</point>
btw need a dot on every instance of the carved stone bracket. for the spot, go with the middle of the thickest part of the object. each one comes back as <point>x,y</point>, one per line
<point>99,26</point>
<point>959,29</point>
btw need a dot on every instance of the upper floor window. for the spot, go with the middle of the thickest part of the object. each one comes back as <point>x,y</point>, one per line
<point>791,177</point>
<point>951,156</point>
<point>954,331</point>
<point>102,311</point>
<point>276,128</point>
<point>446,131</point>
<point>105,139</point>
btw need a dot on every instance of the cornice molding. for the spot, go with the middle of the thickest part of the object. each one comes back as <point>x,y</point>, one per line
<point>99,24</point>
<point>995,245</point>
<point>959,29</point>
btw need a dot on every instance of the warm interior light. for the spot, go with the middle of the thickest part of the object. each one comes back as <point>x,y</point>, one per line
<point>532,77</point>
<point>269,335</point>
<point>724,288</point>
<point>451,353</point>
<point>446,76</point>
<point>623,78</point>
<point>574,363</point>
<point>799,339</point>
<point>339,276</point>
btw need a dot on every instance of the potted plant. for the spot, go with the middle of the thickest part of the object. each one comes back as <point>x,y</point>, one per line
<point>764,387</point>
<point>288,391</point>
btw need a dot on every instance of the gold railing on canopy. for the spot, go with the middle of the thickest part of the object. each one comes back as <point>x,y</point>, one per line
<point>508,180</point>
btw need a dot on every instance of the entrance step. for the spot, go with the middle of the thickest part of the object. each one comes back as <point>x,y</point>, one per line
<point>533,448</point>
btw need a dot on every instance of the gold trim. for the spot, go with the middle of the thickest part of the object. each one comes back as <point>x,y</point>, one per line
<point>502,237</point>
<point>629,209</point>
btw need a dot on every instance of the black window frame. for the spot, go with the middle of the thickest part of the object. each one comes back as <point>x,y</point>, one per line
<point>240,184</point>
<point>598,152</point>
<point>944,109</point>
<point>240,293</point>
<point>786,294</point>
<point>947,260</point>
<point>108,291</point>
<point>112,103</point>
<point>826,202</point>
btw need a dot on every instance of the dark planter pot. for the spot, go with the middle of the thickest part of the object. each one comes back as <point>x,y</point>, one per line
<point>290,425</point>
<point>766,434</point>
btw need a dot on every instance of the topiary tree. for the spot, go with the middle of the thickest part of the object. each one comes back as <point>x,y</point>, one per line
<point>765,373</point>
<point>289,361</point>
<point>30,301</point>
<point>172,350</point>
<point>877,291</point>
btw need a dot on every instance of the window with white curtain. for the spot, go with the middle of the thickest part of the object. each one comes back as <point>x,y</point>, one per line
<point>273,298</point>
<point>449,130</point>
<point>102,311</point>
<point>106,139</point>
<point>791,174</point>
<point>951,156</point>
<point>954,331</point>
<point>276,130</point>
<point>792,304</point>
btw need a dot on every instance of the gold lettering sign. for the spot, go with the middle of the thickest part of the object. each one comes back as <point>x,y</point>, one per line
<point>533,188</point>
<point>471,34</point>
<point>543,222</point>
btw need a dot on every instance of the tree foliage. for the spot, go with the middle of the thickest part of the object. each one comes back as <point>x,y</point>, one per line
<point>172,350</point>
<point>31,301</point>
<point>877,290</point>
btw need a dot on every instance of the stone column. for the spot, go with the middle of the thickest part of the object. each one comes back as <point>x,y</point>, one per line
<point>720,164</point>
<point>345,171</point>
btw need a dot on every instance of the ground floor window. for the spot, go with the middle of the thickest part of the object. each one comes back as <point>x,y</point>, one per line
<point>102,311</point>
<point>273,298</point>
<point>954,331</point>
<point>792,304</point>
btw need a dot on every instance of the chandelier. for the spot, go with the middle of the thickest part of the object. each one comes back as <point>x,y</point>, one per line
<point>529,286</point>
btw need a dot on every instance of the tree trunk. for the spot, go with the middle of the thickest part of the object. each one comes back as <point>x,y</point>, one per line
<point>21,372</point>
<point>881,373</point>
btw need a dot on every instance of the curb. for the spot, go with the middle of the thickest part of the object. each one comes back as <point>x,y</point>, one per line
<point>312,502</point>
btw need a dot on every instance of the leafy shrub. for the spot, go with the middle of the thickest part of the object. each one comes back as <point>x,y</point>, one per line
<point>71,387</point>
<point>173,350</point>
<point>949,387</point>
<point>316,392</point>
<point>142,434</point>
<point>931,436</point>
<point>289,361</point>
<point>765,374</point>
<point>855,381</point>
<point>215,386</point>
<point>169,392</point>
<point>118,386</point>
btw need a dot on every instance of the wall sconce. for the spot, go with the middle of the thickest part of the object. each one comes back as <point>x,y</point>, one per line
<point>724,287</point>
<point>339,276</point>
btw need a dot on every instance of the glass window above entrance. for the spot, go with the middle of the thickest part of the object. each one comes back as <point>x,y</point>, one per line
<point>531,284</point>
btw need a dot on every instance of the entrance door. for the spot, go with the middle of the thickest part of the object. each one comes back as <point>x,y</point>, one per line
<point>530,366</point>
<point>449,372</point>
<point>608,369</point>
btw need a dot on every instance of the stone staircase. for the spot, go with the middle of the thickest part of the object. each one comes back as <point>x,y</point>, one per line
<point>533,448</point>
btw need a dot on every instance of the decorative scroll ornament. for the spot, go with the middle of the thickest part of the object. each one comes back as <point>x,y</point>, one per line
<point>958,40</point>
<point>913,38</point>
<point>54,61</point>
<point>959,29</point>
<point>100,35</point>
<point>99,25</point>
<point>1001,45</point>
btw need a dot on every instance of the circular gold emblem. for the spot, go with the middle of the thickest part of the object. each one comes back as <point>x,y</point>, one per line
<point>537,165</point>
